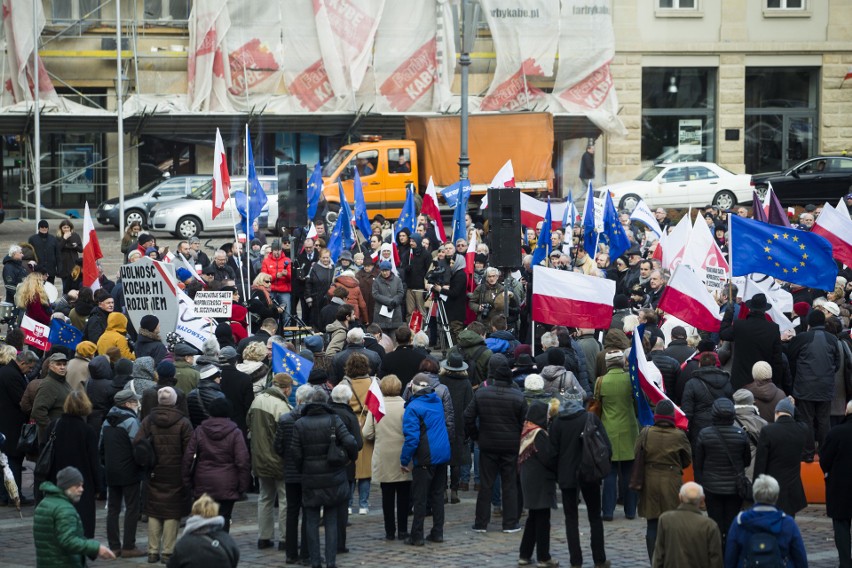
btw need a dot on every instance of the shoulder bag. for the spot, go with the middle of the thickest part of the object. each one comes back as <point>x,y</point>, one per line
<point>44,463</point>
<point>596,404</point>
<point>336,455</point>
<point>744,490</point>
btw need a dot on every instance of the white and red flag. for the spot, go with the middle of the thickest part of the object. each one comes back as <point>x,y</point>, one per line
<point>836,226</point>
<point>35,333</point>
<point>686,298</point>
<point>430,207</point>
<point>571,298</point>
<point>534,210</point>
<point>221,179</point>
<point>674,246</point>
<point>375,401</point>
<point>649,379</point>
<point>504,178</point>
<point>91,252</point>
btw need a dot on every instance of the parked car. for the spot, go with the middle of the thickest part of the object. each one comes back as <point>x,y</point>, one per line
<point>189,216</point>
<point>137,206</point>
<point>815,180</point>
<point>681,184</point>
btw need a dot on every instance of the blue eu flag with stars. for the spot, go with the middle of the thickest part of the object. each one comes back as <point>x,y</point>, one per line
<point>314,191</point>
<point>408,215</point>
<point>614,230</point>
<point>285,361</point>
<point>788,254</point>
<point>249,206</point>
<point>64,334</point>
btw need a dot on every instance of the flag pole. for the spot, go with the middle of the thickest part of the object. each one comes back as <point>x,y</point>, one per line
<point>246,189</point>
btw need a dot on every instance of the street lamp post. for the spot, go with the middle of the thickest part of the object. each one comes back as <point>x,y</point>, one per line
<point>470,13</point>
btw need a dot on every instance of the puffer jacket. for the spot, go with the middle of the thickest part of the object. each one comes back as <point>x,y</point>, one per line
<point>669,368</point>
<point>558,380</point>
<point>116,336</point>
<point>355,299</point>
<point>426,440</point>
<point>713,469</point>
<point>205,542</point>
<point>322,484</point>
<point>272,266</point>
<point>706,385</point>
<point>58,532</point>
<point>443,393</point>
<point>814,358</point>
<point>116,447</point>
<point>100,389</point>
<point>283,439</point>
<point>150,345</point>
<point>167,497</point>
<point>263,417</point>
<point>199,399</point>
<point>766,396</point>
<point>495,418</point>
<point>222,464</point>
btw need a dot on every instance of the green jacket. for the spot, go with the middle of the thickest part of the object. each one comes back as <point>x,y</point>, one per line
<point>263,417</point>
<point>619,415</point>
<point>58,532</point>
<point>187,376</point>
<point>48,402</point>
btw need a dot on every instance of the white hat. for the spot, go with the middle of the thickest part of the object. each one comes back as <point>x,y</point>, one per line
<point>831,308</point>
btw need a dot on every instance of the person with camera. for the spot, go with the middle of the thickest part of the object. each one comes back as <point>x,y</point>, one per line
<point>488,300</point>
<point>278,266</point>
<point>454,289</point>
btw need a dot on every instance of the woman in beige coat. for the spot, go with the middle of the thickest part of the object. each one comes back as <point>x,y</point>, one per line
<point>388,438</point>
<point>357,376</point>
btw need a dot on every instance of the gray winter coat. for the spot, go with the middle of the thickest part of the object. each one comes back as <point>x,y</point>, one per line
<point>386,290</point>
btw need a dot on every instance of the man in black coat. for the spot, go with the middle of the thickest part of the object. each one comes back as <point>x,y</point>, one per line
<point>678,348</point>
<point>339,404</point>
<point>495,419</point>
<point>268,328</point>
<point>237,387</point>
<point>47,250</point>
<point>669,367</point>
<point>755,339</point>
<point>199,399</point>
<point>779,454</point>
<point>455,290</point>
<point>404,361</point>
<point>12,418</point>
<point>302,267</point>
<point>835,459</point>
<point>414,267</point>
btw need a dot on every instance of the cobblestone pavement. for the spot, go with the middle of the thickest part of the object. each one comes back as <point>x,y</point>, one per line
<point>625,540</point>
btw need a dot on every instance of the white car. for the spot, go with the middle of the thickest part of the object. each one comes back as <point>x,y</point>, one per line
<point>190,215</point>
<point>681,184</point>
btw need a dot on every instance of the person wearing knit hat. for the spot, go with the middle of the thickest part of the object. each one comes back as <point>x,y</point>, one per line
<point>749,419</point>
<point>801,309</point>
<point>766,393</point>
<point>165,370</point>
<point>313,343</point>
<point>166,396</point>
<point>208,389</point>
<point>183,274</point>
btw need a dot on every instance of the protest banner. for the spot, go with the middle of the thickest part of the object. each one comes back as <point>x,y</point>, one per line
<point>191,327</point>
<point>214,304</point>
<point>150,287</point>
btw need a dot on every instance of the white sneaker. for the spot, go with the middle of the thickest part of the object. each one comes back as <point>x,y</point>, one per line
<point>363,511</point>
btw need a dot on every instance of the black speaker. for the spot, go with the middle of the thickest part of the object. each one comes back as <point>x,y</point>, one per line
<point>292,195</point>
<point>504,221</point>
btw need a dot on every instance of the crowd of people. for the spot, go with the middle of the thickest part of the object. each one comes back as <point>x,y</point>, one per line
<point>166,432</point>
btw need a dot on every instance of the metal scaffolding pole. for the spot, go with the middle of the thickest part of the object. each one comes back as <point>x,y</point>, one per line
<point>119,116</point>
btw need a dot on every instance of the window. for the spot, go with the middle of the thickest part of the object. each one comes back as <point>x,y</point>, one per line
<point>840,164</point>
<point>785,4</point>
<point>700,172</point>
<point>73,10</point>
<point>366,162</point>
<point>167,10</point>
<point>172,188</point>
<point>399,161</point>
<point>677,4</point>
<point>675,175</point>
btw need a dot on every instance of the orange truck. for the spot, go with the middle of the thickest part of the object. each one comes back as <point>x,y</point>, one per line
<point>431,150</point>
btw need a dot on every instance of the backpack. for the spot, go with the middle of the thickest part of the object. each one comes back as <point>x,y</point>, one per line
<point>596,461</point>
<point>762,550</point>
<point>144,453</point>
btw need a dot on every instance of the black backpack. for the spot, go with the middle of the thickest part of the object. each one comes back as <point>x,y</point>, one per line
<point>144,453</point>
<point>596,461</point>
<point>762,551</point>
<point>472,368</point>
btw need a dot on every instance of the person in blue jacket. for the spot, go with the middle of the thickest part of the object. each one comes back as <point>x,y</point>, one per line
<point>425,453</point>
<point>755,530</point>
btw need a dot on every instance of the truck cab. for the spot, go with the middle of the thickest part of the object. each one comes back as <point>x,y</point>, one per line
<point>386,168</point>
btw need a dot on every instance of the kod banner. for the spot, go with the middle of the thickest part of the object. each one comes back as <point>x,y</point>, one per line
<point>150,287</point>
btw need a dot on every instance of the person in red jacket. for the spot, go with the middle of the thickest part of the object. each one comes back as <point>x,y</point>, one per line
<point>355,299</point>
<point>279,267</point>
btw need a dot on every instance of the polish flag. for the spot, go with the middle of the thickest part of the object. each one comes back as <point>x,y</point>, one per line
<point>646,372</point>
<point>221,179</point>
<point>470,255</point>
<point>504,178</point>
<point>35,333</point>
<point>676,241</point>
<point>836,226</point>
<point>571,298</point>
<point>687,299</point>
<point>375,401</point>
<point>430,207</point>
<point>702,251</point>
<point>91,252</point>
<point>533,212</point>
<point>643,214</point>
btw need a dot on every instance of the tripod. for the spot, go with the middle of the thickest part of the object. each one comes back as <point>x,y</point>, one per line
<point>445,338</point>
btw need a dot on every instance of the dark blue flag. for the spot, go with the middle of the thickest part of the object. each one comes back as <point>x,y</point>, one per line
<point>362,221</point>
<point>408,215</point>
<point>342,237</point>
<point>249,207</point>
<point>542,247</point>
<point>459,215</point>
<point>788,254</point>
<point>590,236</point>
<point>635,367</point>
<point>285,361</point>
<point>64,334</point>
<point>451,193</point>
<point>314,191</point>
<point>614,230</point>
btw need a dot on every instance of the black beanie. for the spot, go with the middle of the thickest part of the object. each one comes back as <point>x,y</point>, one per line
<point>219,407</point>
<point>149,323</point>
<point>620,302</point>
<point>816,317</point>
<point>555,356</point>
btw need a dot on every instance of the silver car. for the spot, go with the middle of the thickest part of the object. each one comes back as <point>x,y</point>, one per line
<point>137,205</point>
<point>191,215</point>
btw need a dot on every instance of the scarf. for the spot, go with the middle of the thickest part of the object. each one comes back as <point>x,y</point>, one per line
<point>528,435</point>
<point>265,293</point>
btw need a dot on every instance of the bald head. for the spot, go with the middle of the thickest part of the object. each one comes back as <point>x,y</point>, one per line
<point>691,493</point>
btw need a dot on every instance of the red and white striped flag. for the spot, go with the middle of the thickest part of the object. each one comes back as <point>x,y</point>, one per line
<point>91,252</point>
<point>836,226</point>
<point>221,179</point>
<point>430,207</point>
<point>375,401</point>
<point>504,178</point>
<point>649,376</point>
<point>687,299</point>
<point>571,299</point>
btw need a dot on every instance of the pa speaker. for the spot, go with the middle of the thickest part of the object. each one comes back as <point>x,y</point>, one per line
<point>504,220</point>
<point>292,195</point>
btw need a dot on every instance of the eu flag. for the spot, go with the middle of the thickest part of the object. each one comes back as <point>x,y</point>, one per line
<point>453,192</point>
<point>285,361</point>
<point>614,230</point>
<point>314,191</point>
<point>341,237</point>
<point>590,236</point>
<point>64,334</point>
<point>637,367</point>
<point>459,215</point>
<point>362,221</point>
<point>249,207</point>
<point>408,215</point>
<point>788,254</point>
<point>542,247</point>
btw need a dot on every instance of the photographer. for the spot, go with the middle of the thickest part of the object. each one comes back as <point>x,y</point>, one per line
<point>455,290</point>
<point>488,299</point>
<point>278,267</point>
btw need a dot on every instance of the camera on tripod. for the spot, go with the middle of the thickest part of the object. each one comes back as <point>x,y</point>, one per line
<point>436,275</point>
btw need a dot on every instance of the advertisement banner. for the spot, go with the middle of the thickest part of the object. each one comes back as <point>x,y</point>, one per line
<point>207,75</point>
<point>150,287</point>
<point>525,39</point>
<point>302,63</point>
